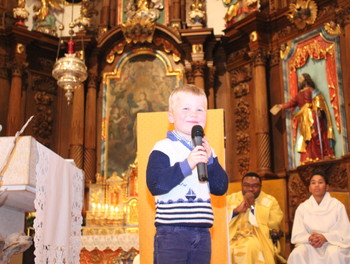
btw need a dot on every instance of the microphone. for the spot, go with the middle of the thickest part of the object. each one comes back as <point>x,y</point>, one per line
<point>197,136</point>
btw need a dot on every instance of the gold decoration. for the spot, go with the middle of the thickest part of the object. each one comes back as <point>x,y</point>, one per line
<point>168,48</point>
<point>197,48</point>
<point>138,30</point>
<point>197,13</point>
<point>253,36</point>
<point>284,49</point>
<point>302,13</point>
<point>237,10</point>
<point>20,48</point>
<point>332,28</point>
<point>87,11</point>
<point>20,13</point>
<point>113,204</point>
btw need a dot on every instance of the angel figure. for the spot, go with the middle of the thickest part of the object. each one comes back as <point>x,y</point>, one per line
<point>44,20</point>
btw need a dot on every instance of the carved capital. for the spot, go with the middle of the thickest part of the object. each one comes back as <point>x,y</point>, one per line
<point>189,76</point>
<point>199,67</point>
<point>93,81</point>
<point>275,57</point>
<point>17,69</point>
<point>211,77</point>
<point>259,57</point>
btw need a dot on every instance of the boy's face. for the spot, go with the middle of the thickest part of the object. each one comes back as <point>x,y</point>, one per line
<point>187,111</point>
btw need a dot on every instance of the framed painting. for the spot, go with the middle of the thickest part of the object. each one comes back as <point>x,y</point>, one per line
<point>141,82</point>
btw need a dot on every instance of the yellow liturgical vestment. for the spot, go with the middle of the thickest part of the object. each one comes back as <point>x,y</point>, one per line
<point>251,244</point>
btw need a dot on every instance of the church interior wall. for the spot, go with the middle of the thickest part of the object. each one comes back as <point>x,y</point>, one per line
<point>226,59</point>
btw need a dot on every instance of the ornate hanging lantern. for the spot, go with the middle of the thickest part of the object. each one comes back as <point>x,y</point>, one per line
<point>70,72</point>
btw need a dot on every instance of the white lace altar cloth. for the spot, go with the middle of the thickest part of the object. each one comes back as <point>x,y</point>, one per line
<point>124,241</point>
<point>58,204</point>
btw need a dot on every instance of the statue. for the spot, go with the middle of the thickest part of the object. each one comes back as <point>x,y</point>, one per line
<point>315,132</point>
<point>44,21</point>
<point>20,13</point>
<point>87,11</point>
<point>197,13</point>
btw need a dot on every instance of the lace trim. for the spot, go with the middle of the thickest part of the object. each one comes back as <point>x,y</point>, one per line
<point>124,241</point>
<point>57,241</point>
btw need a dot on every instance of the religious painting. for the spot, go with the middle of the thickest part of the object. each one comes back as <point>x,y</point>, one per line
<point>316,128</point>
<point>141,82</point>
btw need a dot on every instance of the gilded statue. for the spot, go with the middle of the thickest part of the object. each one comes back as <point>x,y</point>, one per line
<point>20,13</point>
<point>44,20</point>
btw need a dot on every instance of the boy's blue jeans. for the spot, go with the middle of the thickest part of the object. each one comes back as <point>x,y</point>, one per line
<point>182,245</point>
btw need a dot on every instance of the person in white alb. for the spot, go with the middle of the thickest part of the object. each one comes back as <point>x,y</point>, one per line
<point>321,228</point>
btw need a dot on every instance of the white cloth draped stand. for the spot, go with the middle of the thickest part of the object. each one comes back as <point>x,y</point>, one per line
<point>59,191</point>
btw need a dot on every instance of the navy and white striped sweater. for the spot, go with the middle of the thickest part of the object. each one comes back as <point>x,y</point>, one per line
<point>180,198</point>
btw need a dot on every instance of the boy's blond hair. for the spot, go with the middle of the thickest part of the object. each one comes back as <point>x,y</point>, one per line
<point>187,88</point>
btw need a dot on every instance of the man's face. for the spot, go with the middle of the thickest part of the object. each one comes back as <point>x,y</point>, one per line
<point>251,184</point>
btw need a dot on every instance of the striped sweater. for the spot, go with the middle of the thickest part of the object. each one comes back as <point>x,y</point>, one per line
<point>179,196</point>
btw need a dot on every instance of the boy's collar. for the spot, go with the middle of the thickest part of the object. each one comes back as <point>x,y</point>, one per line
<point>174,135</point>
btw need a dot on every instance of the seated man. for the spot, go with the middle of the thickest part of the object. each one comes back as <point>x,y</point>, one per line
<point>252,214</point>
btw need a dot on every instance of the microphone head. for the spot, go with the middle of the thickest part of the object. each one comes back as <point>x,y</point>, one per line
<point>197,131</point>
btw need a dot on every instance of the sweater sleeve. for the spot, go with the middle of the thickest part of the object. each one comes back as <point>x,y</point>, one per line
<point>217,177</point>
<point>160,176</point>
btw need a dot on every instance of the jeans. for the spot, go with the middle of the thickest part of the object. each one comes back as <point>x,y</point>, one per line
<point>182,245</point>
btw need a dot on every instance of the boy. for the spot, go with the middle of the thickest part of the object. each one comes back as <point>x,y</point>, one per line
<point>183,209</point>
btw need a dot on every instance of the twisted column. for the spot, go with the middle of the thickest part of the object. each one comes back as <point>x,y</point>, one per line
<point>259,57</point>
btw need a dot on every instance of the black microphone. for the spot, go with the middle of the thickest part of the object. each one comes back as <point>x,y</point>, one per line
<point>197,136</point>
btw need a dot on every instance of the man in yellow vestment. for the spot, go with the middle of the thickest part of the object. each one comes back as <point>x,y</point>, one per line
<point>252,214</point>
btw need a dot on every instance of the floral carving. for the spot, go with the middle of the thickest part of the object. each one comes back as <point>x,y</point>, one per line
<point>243,165</point>
<point>242,115</point>
<point>243,143</point>
<point>241,89</point>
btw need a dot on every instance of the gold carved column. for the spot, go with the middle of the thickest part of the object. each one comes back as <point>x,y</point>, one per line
<point>14,118</point>
<point>259,57</point>
<point>77,128</point>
